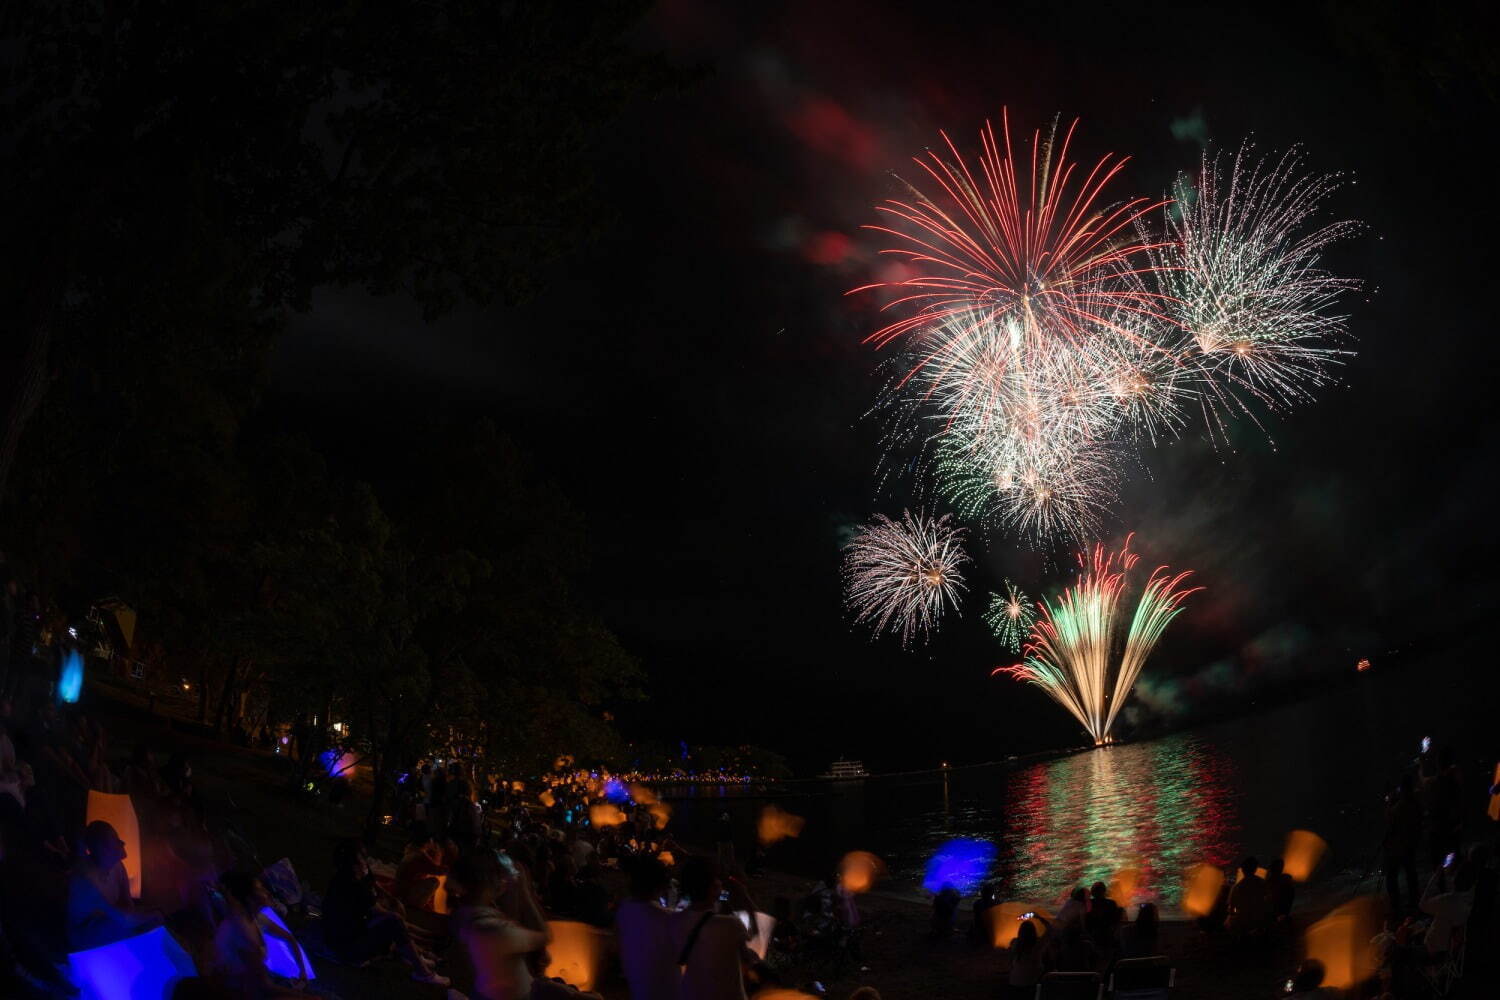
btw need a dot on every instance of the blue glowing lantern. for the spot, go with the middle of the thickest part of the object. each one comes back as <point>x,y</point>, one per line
<point>70,680</point>
<point>962,864</point>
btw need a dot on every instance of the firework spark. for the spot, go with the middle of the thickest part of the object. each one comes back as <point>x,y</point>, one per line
<point>1051,329</point>
<point>899,575</point>
<point>1011,616</point>
<point>1071,652</point>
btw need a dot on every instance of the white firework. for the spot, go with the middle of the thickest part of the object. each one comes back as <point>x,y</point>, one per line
<point>900,575</point>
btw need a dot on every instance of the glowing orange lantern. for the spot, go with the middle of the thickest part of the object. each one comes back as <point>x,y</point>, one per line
<point>576,951</point>
<point>777,824</point>
<point>859,870</point>
<point>1302,853</point>
<point>604,814</point>
<point>1200,889</point>
<point>1341,941</point>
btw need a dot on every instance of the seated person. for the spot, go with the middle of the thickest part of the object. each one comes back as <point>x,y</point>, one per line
<point>417,874</point>
<point>240,944</point>
<point>1140,939</point>
<point>100,910</point>
<point>496,945</point>
<point>356,927</point>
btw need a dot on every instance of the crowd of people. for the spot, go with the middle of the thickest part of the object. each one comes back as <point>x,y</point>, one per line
<point>489,871</point>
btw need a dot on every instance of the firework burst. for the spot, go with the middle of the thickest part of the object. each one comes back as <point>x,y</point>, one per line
<point>1071,652</point>
<point>900,575</point>
<point>1011,616</point>
<point>1242,266</point>
<point>1047,329</point>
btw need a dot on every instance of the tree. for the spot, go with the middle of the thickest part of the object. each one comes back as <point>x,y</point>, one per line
<point>185,162</point>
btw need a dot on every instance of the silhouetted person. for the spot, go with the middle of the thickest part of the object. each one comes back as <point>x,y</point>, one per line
<point>1249,900</point>
<point>1103,916</point>
<point>1398,847</point>
<point>1283,889</point>
<point>944,911</point>
<point>644,930</point>
<point>1025,959</point>
<point>1141,938</point>
<point>1075,908</point>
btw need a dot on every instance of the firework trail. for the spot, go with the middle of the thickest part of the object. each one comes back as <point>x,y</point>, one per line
<point>1071,652</point>
<point>1011,616</point>
<point>899,575</point>
<point>1049,330</point>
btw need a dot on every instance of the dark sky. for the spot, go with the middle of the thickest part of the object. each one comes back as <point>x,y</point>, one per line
<point>696,380</point>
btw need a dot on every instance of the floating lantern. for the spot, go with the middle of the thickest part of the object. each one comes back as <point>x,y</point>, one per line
<point>1302,853</point>
<point>576,951</point>
<point>1200,889</point>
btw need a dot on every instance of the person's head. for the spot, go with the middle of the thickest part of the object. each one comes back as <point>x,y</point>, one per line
<point>648,878</point>
<point>426,768</point>
<point>1078,895</point>
<point>1026,936</point>
<point>1099,890</point>
<point>1248,866</point>
<point>1146,918</point>
<point>700,881</point>
<point>102,845</point>
<point>475,879</point>
<point>246,890</point>
<point>142,756</point>
<point>1275,868</point>
<point>349,859</point>
<point>1308,977</point>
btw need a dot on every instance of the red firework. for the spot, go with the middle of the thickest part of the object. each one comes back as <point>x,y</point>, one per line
<point>1030,245</point>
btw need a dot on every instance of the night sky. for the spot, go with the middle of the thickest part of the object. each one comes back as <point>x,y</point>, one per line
<point>696,381</point>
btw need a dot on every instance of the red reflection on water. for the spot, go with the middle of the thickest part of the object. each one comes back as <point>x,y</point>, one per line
<point>1157,808</point>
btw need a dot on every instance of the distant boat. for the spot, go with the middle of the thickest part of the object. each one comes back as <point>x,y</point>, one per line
<point>846,770</point>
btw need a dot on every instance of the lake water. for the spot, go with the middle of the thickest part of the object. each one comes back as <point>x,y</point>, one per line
<point>1208,795</point>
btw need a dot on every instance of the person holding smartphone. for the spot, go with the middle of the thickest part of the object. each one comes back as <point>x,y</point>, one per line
<point>712,942</point>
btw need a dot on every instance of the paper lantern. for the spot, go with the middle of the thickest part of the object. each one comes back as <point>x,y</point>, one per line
<point>1200,889</point>
<point>279,957</point>
<point>1341,941</point>
<point>604,814</point>
<point>1004,921</point>
<point>1494,810</point>
<point>1302,853</point>
<point>777,824</point>
<point>576,951</point>
<point>859,870</point>
<point>117,811</point>
<point>145,967</point>
<point>1123,886</point>
<point>764,925</point>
